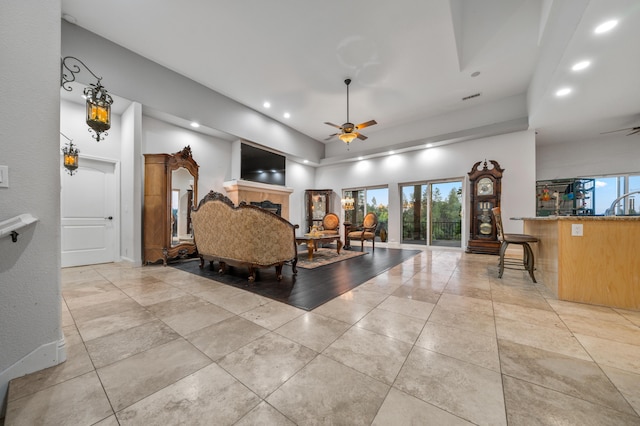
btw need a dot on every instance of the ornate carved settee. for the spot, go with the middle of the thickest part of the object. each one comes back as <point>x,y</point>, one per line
<point>245,235</point>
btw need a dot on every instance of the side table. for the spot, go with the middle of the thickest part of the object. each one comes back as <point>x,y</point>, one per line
<point>347,229</point>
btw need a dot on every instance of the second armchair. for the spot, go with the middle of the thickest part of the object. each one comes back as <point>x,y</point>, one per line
<point>366,231</point>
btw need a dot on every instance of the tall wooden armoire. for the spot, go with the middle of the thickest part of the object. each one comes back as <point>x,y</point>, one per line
<point>170,189</point>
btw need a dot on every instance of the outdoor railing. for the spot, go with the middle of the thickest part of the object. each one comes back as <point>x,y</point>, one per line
<point>440,230</point>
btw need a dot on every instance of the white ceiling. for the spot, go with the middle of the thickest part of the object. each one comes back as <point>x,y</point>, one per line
<point>411,61</point>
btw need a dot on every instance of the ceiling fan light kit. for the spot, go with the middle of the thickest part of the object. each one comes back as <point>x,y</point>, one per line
<point>348,132</point>
<point>347,137</point>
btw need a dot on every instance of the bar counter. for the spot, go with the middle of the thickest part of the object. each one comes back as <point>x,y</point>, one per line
<point>600,267</point>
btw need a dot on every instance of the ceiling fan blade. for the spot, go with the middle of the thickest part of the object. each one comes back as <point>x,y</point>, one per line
<point>621,130</point>
<point>334,125</point>
<point>331,136</point>
<point>367,124</point>
<point>360,136</point>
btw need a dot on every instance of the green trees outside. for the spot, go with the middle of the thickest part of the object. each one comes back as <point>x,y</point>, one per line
<point>445,214</point>
<point>382,211</point>
<point>444,211</point>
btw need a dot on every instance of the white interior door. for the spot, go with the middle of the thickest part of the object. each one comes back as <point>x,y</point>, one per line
<point>88,214</point>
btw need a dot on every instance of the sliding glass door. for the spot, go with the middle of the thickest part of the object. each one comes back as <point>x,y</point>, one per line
<point>414,213</point>
<point>431,213</point>
<point>446,222</point>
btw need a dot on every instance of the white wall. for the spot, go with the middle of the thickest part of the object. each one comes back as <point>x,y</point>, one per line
<point>131,185</point>
<point>213,155</point>
<point>617,154</point>
<point>73,125</point>
<point>30,302</point>
<point>141,80</point>
<point>501,116</point>
<point>299,177</point>
<point>119,146</point>
<point>515,152</point>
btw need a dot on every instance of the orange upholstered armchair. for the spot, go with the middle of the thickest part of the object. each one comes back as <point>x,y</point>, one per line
<point>330,224</point>
<point>367,231</point>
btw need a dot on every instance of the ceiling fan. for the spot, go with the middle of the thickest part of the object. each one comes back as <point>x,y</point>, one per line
<point>348,131</point>
<point>634,130</point>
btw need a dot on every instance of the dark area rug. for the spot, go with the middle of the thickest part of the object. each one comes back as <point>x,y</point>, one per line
<point>310,288</point>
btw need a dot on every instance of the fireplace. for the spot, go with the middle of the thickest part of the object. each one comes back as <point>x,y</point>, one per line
<point>268,205</point>
<point>255,192</point>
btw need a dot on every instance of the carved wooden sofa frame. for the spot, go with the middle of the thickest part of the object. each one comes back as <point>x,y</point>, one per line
<point>245,235</point>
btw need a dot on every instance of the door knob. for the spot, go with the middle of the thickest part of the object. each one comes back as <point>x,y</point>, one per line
<point>110,217</point>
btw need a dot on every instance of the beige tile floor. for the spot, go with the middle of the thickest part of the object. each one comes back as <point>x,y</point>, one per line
<point>436,340</point>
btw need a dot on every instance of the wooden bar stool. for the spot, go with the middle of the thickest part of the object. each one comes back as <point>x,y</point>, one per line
<point>527,262</point>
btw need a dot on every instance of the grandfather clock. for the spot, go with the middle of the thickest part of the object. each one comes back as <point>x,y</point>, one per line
<point>485,185</point>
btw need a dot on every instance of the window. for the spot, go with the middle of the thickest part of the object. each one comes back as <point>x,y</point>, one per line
<point>609,188</point>
<point>375,199</point>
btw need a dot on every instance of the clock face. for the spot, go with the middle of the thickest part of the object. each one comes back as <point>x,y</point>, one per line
<point>485,186</point>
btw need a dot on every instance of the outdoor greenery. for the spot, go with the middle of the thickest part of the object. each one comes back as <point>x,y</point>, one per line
<point>445,214</point>
<point>446,211</point>
<point>382,212</point>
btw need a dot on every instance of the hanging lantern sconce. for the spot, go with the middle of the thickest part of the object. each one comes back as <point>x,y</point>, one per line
<point>70,156</point>
<point>98,100</point>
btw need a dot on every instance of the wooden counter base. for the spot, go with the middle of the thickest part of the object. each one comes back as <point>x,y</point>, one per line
<point>601,267</point>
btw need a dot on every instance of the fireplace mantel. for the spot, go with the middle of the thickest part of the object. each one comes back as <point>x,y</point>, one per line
<point>247,191</point>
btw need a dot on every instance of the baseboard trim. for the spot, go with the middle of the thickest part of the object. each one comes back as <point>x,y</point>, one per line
<point>45,356</point>
<point>130,261</point>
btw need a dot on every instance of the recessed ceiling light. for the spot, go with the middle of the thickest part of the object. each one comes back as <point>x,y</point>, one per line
<point>305,161</point>
<point>606,26</point>
<point>286,115</point>
<point>563,92</point>
<point>391,152</point>
<point>194,124</point>
<point>429,145</point>
<point>578,66</point>
<point>266,105</point>
<point>360,158</point>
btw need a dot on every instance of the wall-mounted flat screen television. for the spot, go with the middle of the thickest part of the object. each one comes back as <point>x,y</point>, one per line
<point>259,165</point>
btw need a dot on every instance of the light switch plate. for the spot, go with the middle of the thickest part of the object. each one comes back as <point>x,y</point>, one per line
<point>4,176</point>
<point>576,229</point>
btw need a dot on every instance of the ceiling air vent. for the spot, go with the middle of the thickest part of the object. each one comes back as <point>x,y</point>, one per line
<point>475,95</point>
